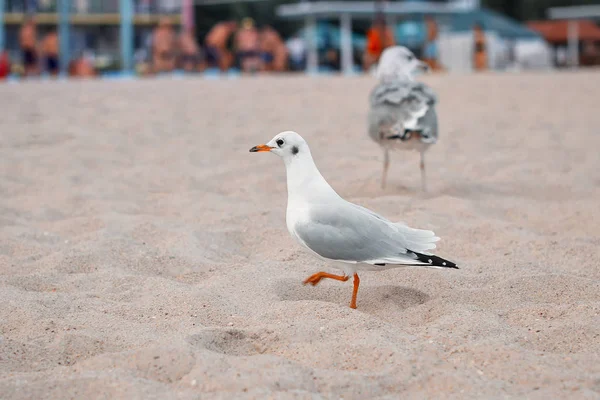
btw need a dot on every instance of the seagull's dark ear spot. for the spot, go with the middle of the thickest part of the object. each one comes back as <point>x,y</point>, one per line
<point>295,150</point>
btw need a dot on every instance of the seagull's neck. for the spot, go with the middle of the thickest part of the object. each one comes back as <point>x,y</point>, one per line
<point>304,181</point>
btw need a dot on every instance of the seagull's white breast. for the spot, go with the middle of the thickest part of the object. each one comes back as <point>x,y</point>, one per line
<point>295,214</point>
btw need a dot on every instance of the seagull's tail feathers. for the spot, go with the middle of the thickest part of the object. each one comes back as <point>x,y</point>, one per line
<point>417,243</point>
<point>415,239</point>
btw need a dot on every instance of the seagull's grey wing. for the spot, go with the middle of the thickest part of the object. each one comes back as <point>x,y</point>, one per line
<point>428,126</point>
<point>350,233</point>
<point>384,103</point>
<point>408,103</point>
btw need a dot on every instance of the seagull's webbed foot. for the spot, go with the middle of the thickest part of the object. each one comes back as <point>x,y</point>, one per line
<point>316,278</point>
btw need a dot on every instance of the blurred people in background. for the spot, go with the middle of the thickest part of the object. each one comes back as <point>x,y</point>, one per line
<point>561,57</point>
<point>215,49</point>
<point>273,51</point>
<point>430,50</point>
<point>328,56</point>
<point>247,47</point>
<point>332,59</point>
<point>4,65</point>
<point>297,49</point>
<point>50,49</point>
<point>29,47</point>
<point>511,54</point>
<point>163,47</point>
<point>379,37</point>
<point>590,54</point>
<point>190,56</point>
<point>480,59</point>
<point>81,67</point>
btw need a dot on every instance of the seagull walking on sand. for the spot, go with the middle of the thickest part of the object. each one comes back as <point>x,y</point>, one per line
<point>402,111</point>
<point>333,229</point>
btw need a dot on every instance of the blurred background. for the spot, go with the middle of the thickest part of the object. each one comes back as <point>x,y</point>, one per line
<point>114,38</point>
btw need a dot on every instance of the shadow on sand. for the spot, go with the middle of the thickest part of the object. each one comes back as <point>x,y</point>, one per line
<point>371,299</point>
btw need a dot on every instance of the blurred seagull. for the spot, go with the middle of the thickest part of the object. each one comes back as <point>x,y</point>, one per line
<point>402,113</point>
<point>333,229</point>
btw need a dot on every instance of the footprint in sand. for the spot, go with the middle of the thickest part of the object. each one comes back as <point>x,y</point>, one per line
<point>233,342</point>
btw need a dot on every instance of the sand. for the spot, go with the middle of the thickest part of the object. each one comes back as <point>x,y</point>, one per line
<point>144,252</point>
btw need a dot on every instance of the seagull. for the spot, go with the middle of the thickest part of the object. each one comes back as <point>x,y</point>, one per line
<point>402,111</point>
<point>333,229</point>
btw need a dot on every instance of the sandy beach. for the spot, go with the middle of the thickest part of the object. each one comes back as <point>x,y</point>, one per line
<point>144,252</point>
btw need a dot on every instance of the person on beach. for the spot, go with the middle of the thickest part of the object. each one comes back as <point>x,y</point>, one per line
<point>215,45</point>
<point>247,45</point>
<point>273,50</point>
<point>163,47</point>
<point>81,67</point>
<point>331,56</point>
<point>296,48</point>
<point>29,50</point>
<point>480,62</point>
<point>379,37</point>
<point>51,48</point>
<point>430,50</point>
<point>190,57</point>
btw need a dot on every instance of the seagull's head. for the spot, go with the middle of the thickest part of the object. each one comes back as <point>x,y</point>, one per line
<point>287,145</point>
<point>399,62</point>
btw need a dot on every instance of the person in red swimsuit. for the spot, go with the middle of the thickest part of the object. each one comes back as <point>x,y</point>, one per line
<point>379,37</point>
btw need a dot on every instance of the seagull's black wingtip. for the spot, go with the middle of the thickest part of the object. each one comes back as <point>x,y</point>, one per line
<point>434,261</point>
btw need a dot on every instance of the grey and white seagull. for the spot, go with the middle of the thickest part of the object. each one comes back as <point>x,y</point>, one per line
<point>402,111</point>
<point>350,236</point>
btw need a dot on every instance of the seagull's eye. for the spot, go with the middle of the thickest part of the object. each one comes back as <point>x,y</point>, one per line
<point>410,57</point>
<point>279,142</point>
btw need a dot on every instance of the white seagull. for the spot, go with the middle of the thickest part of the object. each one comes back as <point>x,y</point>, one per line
<point>402,111</point>
<point>333,229</point>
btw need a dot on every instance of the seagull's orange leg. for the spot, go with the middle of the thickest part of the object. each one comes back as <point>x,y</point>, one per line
<point>316,278</point>
<point>355,291</point>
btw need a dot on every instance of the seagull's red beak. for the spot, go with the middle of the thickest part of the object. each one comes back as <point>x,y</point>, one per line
<point>260,148</point>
